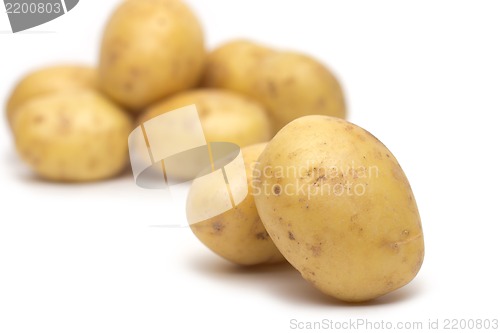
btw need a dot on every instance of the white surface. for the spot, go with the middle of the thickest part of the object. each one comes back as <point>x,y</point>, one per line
<point>422,76</point>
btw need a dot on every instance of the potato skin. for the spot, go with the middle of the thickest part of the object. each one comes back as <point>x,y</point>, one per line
<point>292,85</point>
<point>237,234</point>
<point>150,50</point>
<point>288,84</point>
<point>49,80</point>
<point>233,65</point>
<point>72,136</point>
<point>225,116</point>
<point>342,212</point>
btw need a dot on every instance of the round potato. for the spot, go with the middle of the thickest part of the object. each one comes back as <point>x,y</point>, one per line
<point>233,65</point>
<point>288,84</point>
<point>237,234</point>
<point>339,207</point>
<point>225,116</point>
<point>49,80</point>
<point>150,50</point>
<point>292,85</point>
<point>72,136</point>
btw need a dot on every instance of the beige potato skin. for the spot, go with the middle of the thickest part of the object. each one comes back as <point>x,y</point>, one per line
<point>353,247</point>
<point>288,84</point>
<point>49,80</point>
<point>233,65</point>
<point>225,116</point>
<point>292,85</point>
<point>73,136</point>
<point>237,234</point>
<point>150,49</point>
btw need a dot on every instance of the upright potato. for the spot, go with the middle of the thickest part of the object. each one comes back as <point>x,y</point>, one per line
<point>225,116</point>
<point>339,207</point>
<point>150,50</point>
<point>72,136</point>
<point>49,80</point>
<point>237,234</point>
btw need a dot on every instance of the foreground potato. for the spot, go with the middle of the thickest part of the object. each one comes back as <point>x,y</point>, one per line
<point>72,136</point>
<point>238,234</point>
<point>225,116</point>
<point>339,207</point>
<point>288,84</point>
<point>150,49</point>
<point>49,80</point>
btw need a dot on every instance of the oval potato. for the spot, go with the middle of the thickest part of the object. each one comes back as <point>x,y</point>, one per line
<point>72,136</point>
<point>288,84</point>
<point>339,207</point>
<point>150,50</point>
<point>224,115</point>
<point>49,80</point>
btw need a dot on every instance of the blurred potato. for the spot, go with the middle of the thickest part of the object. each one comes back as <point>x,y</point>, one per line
<point>150,49</point>
<point>234,65</point>
<point>72,136</point>
<point>224,115</point>
<point>49,80</point>
<point>288,84</point>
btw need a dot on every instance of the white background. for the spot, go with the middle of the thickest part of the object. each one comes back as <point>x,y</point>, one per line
<point>423,76</point>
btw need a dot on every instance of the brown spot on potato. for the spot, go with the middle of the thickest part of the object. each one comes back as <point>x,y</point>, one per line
<point>289,81</point>
<point>405,233</point>
<point>93,163</point>
<point>38,119</point>
<point>128,86</point>
<point>291,236</point>
<point>277,189</point>
<point>395,247</point>
<point>361,137</point>
<point>136,72</point>
<point>64,124</point>
<point>272,89</point>
<point>348,128</point>
<point>218,227</point>
<point>321,103</point>
<point>316,250</point>
<point>262,235</point>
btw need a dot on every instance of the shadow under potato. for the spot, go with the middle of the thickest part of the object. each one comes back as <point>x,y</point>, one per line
<point>285,282</point>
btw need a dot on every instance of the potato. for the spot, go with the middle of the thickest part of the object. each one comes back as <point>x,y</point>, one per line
<point>233,64</point>
<point>288,84</point>
<point>339,207</point>
<point>292,85</point>
<point>49,80</point>
<point>72,136</point>
<point>237,234</point>
<point>225,116</point>
<point>150,50</point>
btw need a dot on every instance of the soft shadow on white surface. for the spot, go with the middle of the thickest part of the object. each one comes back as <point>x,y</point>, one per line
<point>21,172</point>
<point>283,281</point>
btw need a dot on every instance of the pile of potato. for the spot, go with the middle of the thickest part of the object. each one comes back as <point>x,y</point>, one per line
<point>71,123</point>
